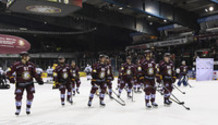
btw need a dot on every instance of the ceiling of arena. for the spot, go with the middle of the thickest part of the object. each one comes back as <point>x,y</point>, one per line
<point>110,20</point>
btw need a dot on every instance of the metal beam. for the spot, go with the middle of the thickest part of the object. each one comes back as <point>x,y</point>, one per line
<point>85,19</point>
<point>113,18</point>
<point>44,23</point>
<point>162,11</point>
<point>214,1</point>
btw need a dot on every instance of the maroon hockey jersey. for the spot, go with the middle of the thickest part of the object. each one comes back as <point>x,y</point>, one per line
<point>62,74</point>
<point>99,71</point>
<point>24,72</point>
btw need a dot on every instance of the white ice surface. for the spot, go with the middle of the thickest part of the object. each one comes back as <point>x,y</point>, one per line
<point>47,110</point>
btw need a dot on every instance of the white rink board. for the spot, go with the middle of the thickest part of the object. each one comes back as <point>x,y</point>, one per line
<point>47,110</point>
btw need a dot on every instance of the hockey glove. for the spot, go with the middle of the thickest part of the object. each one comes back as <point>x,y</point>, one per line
<point>173,79</point>
<point>40,82</point>
<point>12,80</point>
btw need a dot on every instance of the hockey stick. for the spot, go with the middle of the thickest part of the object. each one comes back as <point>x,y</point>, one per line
<point>118,96</point>
<point>121,103</point>
<point>187,108</point>
<point>45,82</point>
<point>189,85</point>
<point>132,95</point>
<point>179,103</point>
<point>176,100</point>
<point>179,89</point>
<point>173,95</point>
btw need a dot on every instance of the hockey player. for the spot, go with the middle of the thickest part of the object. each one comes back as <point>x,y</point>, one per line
<point>127,76</point>
<point>2,78</point>
<point>149,74</point>
<point>1,70</point>
<point>74,69</point>
<point>25,72</point>
<point>183,74</point>
<point>88,71</point>
<point>50,73</point>
<point>62,76</point>
<point>99,77</point>
<point>167,76</point>
<point>139,74</point>
<point>39,71</point>
<point>110,76</point>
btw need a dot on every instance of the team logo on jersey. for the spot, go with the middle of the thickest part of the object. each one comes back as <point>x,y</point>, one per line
<point>102,75</point>
<point>65,75</point>
<point>169,71</point>
<point>139,68</point>
<point>74,73</point>
<point>26,75</point>
<point>122,68</point>
<point>128,72</point>
<point>108,72</point>
<point>150,71</point>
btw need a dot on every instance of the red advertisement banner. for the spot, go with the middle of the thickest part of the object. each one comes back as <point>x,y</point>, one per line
<point>12,44</point>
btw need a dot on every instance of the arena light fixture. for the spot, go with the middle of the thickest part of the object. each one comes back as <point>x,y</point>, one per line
<point>23,28</point>
<point>211,9</point>
<point>149,10</point>
<point>120,8</point>
<point>206,10</point>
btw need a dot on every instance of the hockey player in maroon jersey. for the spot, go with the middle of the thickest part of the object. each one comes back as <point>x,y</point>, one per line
<point>183,74</point>
<point>25,72</point>
<point>128,74</point>
<point>149,72</point>
<point>99,80</point>
<point>167,76</point>
<point>139,76</point>
<point>110,76</point>
<point>76,78</point>
<point>62,76</point>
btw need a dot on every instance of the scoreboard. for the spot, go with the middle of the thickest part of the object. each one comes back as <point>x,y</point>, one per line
<point>69,2</point>
<point>45,7</point>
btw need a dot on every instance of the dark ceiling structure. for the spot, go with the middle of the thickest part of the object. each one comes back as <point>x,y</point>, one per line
<point>98,24</point>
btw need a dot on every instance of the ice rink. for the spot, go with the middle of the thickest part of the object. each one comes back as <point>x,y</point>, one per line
<point>47,109</point>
